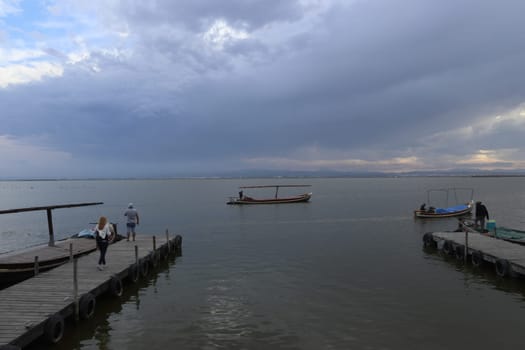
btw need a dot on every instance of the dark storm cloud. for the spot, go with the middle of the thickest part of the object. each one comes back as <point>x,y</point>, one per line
<point>402,78</point>
<point>369,80</point>
<point>194,13</point>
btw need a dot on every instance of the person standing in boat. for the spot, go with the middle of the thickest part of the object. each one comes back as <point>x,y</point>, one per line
<point>103,235</point>
<point>133,220</point>
<point>481,214</point>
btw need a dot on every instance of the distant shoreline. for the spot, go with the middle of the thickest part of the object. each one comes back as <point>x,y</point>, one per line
<point>247,177</point>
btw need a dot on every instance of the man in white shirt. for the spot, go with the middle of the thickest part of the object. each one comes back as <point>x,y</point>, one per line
<point>133,220</point>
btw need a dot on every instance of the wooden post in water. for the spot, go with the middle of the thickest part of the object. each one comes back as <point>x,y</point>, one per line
<point>36,265</point>
<point>50,227</point>
<point>48,209</point>
<point>75,288</point>
<point>70,251</point>
<point>137,255</point>
<point>168,241</point>
<point>465,255</point>
<point>154,244</point>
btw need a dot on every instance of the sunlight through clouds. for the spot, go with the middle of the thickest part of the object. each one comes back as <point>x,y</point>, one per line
<point>226,86</point>
<point>482,157</point>
<point>220,34</point>
<point>393,164</point>
<point>21,74</point>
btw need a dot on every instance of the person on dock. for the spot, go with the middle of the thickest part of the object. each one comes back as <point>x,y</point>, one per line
<point>133,220</point>
<point>481,214</point>
<point>103,235</point>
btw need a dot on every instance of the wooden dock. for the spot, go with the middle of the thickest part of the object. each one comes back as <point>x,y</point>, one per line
<point>507,258</point>
<point>40,305</point>
<point>19,265</point>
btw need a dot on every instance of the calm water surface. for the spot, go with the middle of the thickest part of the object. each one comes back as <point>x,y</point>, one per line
<point>345,271</point>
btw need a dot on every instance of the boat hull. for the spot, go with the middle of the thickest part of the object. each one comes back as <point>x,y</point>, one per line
<point>18,266</point>
<point>297,199</point>
<point>503,233</point>
<point>13,273</point>
<point>427,215</point>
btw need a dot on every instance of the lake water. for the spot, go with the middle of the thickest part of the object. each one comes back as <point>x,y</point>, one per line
<point>345,271</point>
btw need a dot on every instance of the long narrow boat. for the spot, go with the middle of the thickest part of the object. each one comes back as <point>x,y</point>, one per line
<point>499,232</point>
<point>446,211</point>
<point>243,199</point>
<point>458,210</point>
<point>22,264</point>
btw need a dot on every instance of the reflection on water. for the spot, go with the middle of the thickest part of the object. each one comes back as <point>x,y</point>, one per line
<point>476,277</point>
<point>346,271</point>
<point>112,315</point>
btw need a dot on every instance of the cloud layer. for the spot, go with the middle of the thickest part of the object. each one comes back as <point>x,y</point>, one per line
<point>167,88</point>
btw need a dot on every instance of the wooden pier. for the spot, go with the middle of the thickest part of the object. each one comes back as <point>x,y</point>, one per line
<point>508,259</point>
<point>40,305</point>
<point>19,265</point>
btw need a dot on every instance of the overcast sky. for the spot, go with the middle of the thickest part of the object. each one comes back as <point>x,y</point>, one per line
<point>106,88</point>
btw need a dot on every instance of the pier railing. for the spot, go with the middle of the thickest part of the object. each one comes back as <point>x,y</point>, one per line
<point>48,209</point>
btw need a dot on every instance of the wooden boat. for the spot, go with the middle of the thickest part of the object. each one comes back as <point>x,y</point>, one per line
<point>499,232</point>
<point>509,234</point>
<point>447,211</point>
<point>22,264</point>
<point>243,199</point>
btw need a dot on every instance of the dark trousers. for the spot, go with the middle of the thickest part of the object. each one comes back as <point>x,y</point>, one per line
<point>103,246</point>
<point>480,222</point>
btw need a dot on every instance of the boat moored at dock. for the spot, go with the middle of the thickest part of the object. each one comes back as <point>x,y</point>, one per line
<point>500,232</point>
<point>447,211</point>
<point>19,265</point>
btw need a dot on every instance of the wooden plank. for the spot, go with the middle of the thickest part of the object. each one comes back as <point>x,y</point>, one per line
<point>47,254</point>
<point>491,248</point>
<point>27,305</point>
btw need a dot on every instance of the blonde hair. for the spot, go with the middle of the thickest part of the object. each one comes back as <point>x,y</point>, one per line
<point>102,221</point>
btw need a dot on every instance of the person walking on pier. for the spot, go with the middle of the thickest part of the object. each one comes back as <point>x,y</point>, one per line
<point>481,214</point>
<point>103,235</point>
<point>133,220</point>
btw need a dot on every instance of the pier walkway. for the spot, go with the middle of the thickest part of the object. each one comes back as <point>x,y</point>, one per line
<point>508,258</point>
<point>40,305</point>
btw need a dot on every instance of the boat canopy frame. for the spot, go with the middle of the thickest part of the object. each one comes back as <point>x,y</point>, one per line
<point>447,191</point>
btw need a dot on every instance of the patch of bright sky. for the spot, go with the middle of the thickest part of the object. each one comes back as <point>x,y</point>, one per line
<point>484,126</point>
<point>20,74</point>
<point>20,18</point>
<point>347,164</point>
<point>43,24</point>
<point>9,6</point>
<point>507,158</point>
<point>35,34</point>
<point>220,33</point>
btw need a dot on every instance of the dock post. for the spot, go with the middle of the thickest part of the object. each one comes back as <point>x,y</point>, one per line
<point>465,256</point>
<point>36,265</point>
<point>137,255</point>
<point>50,227</point>
<point>168,241</point>
<point>75,288</point>
<point>70,251</point>
<point>154,244</point>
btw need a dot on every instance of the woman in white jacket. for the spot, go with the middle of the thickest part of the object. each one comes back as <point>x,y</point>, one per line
<point>103,235</point>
